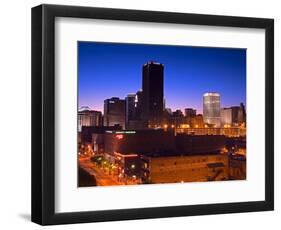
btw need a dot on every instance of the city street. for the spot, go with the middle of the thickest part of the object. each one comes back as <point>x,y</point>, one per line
<point>102,178</point>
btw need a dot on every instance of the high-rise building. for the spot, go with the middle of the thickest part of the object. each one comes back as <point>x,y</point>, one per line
<point>235,111</point>
<point>131,105</point>
<point>235,115</point>
<point>242,114</point>
<point>134,112</point>
<point>211,109</point>
<point>153,87</point>
<point>114,112</point>
<point>189,112</point>
<point>226,116</point>
<point>139,104</point>
<point>88,117</point>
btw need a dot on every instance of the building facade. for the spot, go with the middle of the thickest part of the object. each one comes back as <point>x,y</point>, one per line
<point>177,169</point>
<point>131,105</point>
<point>242,114</point>
<point>153,90</point>
<point>226,117</point>
<point>88,117</point>
<point>114,112</point>
<point>139,142</point>
<point>233,116</point>
<point>229,132</point>
<point>211,109</point>
<point>189,112</point>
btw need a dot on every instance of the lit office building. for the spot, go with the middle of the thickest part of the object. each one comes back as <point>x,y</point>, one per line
<point>226,117</point>
<point>211,109</point>
<point>197,121</point>
<point>233,116</point>
<point>114,112</point>
<point>88,117</point>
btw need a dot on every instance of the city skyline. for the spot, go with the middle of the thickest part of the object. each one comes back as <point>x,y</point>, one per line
<point>104,72</point>
<point>129,137</point>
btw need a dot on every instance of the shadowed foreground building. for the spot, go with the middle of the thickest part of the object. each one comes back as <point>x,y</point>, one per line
<point>237,167</point>
<point>85,178</point>
<point>139,141</point>
<point>88,133</point>
<point>174,169</point>
<point>158,156</point>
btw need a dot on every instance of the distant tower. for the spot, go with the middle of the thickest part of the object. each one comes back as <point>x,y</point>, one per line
<point>130,108</point>
<point>114,112</point>
<point>226,116</point>
<point>189,112</point>
<point>153,87</point>
<point>139,105</point>
<point>211,109</point>
<point>241,114</point>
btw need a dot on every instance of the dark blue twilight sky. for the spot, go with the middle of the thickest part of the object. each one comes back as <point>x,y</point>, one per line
<point>108,70</point>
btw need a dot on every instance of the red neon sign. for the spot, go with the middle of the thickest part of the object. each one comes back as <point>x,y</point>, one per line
<point>119,136</point>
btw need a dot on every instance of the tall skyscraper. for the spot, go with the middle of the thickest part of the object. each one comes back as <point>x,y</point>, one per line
<point>153,87</point>
<point>114,112</point>
<point>211,109</point>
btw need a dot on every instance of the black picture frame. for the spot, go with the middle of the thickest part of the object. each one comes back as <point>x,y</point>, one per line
<point>43,114</point>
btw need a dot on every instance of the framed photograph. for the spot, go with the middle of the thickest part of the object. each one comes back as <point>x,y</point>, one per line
<point>142,114</point>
